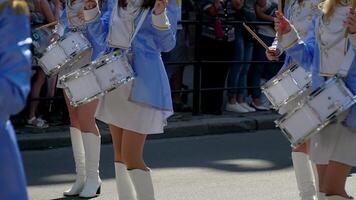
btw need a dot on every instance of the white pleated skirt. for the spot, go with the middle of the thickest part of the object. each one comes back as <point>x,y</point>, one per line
<point>116,109</point>
<point>334,143</point>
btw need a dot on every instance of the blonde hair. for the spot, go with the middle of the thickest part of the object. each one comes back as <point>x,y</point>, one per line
<point>328,7</point>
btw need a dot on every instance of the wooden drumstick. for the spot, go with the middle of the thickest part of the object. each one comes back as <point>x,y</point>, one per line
<point>347,30</point>
<point>280,13</point>
<point>48,25</point>
<point>280,9</point>
<point>259,40</point>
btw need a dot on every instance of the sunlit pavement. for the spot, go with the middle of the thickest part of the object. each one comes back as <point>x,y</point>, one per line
<point>250,166</point>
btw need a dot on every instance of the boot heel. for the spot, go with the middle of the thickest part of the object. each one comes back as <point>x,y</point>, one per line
<point>99,190</point>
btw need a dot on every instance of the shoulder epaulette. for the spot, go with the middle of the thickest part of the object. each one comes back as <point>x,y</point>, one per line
<point>19,6</point>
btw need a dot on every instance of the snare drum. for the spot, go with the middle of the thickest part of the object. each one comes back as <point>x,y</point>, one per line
<point>64,53</point>
<point>287,86</point>
<point>95,80</point>
<point>317,111</point>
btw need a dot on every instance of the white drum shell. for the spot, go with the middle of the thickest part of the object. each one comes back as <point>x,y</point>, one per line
<point>65,53</point>
<point>52,59</point>
<point>286,86</point>
<point>317,111</point>
<point>97,79</point>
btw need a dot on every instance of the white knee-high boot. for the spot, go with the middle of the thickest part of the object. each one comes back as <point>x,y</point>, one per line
<point>79,160</point>
<point>92,184</point>
<point>124,185</point>
<point>337,198</point>
<point>304,176</point>
<point>142,182</point>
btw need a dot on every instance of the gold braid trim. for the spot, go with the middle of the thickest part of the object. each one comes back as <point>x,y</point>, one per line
<point>19,6</point>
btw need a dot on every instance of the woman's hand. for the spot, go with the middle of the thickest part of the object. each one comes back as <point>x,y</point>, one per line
<point>272,53</point>
<point>55,37</point>
<point>160,7</point>
<point>281,24</point>
<point>80,16</point>
<point>350,22</point>
<point>89,4</point>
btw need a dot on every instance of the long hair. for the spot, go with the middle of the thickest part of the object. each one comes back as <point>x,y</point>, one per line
<point>328,7</point>
<point>146,3</point>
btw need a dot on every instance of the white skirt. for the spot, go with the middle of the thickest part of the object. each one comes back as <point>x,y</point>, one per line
<point>116,109</point>
<point>334,143</point>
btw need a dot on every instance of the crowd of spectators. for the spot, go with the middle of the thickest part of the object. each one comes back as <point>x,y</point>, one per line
<point>219,41</point>
<point>223,41</point>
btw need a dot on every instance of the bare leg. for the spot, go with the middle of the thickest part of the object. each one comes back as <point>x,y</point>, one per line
<point>132,150</point>
<point>35,93</point>
<point>116,135</point>
<point>177,80</point>
<point>124,185</point>
<point>335,179</point>
<point>86,117</point>
<point>304,148</point>
<point>73,113</point>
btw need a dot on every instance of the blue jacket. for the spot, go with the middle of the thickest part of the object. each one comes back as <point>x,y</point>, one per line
<point>15,74</point>
<point>151,86</point>
<point>302,24</point>
<point>307,53</point>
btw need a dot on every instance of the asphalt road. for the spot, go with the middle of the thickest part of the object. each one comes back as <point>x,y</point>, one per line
<point>249,166</point>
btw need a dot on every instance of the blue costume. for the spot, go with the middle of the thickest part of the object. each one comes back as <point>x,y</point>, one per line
<point>151,84</point>
<point>322,53</point>
<point>15,74</point>
<point>301,17</point>
<point>307,53</point>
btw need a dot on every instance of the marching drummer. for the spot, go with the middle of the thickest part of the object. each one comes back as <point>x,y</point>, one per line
<point>15,75</point>
<point>323,50</point>
<point>84,133</point>
<point>142,106</point>
<point>300,13</point>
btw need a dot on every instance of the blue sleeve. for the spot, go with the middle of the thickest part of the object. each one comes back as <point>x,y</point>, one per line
<point>98,29</point>
<point>166,39</point>
<point>351,84</point>
<point>63,20</point>
<point>15,61</point>
<point>303,51</point>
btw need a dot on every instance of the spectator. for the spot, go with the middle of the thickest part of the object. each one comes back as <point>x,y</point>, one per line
<point>42,12</point>
<point>237,77</point>
<point>217,43</point>
<point>265,10</point>
<point>179,54</point>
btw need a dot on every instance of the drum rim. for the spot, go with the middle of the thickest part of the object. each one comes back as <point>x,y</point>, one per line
<point>321,126</point>
<point>277,106</point>
<point>100,94</point>
<point>276,79</point>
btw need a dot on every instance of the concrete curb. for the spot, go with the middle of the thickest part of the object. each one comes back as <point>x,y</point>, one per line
<point>181,127</point>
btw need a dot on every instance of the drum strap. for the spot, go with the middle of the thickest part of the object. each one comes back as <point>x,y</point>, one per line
<point>346,65</point>
<point>139,25</point>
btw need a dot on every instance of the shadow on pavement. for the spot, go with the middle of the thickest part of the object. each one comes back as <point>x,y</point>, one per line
<point>239,153</point>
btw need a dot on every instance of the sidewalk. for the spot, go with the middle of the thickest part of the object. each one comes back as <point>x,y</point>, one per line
<point>180,125</point>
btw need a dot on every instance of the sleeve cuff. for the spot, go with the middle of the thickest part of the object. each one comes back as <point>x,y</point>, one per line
<point>352,38</point>
<point>161,22</point>
<point>288,40</point>
<point>91,15</point>
<point>207,6</point>
<point>59,29</point>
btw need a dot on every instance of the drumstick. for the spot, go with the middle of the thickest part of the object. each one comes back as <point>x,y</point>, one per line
<point>280,9</point>
<point>347,30</point>
<point>280,13</point>
<point>259,40</point>
<point>54,23</point>
<point>48,25</point>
